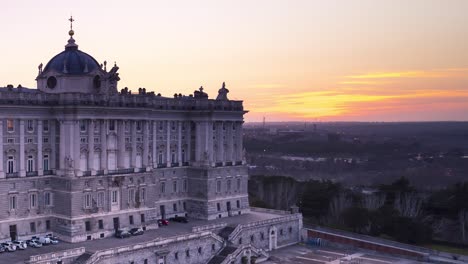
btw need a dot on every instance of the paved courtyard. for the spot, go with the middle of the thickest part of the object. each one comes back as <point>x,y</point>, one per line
<point>173,229</point>
<point>299,254</point>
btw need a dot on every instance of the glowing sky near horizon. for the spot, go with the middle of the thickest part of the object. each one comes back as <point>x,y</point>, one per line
<point>301,60</point>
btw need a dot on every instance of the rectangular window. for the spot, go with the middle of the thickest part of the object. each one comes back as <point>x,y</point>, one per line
<point>12,203</point>
<point>185,185</point>
<point>114,197</point>
<point>29,140</point>
<point>45,125</point>
<point>87,200</point>
<point>228,185</point>
<point>111,125</point>
<point>10,164</point>
<point>45,140</point>
<point>184,205</point>
<point>32,226</point>
<point>163,187</point>
<point>10,140</point>
<point>238,184</point>
<point>130,219</point>
<point>131,195</point>
<point>46,162</point>
<point>100,200</point>
<point>96,140</point>
<point>160,158</point>
<point>33,200</point>
<point>47,225</point>
<point>30,166</point>
<point>174,206</point>
<point>82,125</point>
<point>139,126</point>
<point>83,140</point>
<point>48,198</point>
<point>142,218</point>
<point>88,226</point>
<point>238,203</point>
<point>142,194</point>
<point>174,187</point>
<point>218,206</point>
<point>218,186</point>
<point>100,224</point>
<point>10,125</point>
<point>30,125</point>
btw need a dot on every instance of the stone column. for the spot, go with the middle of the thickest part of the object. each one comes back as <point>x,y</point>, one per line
<point>76,142</point>
<point>91,147</point>
<point>240,150</point>
<point>134,146</point>
<point>22,169</point>
<point>121,144</point>
<point>2,160</point>
<point>220,136</point>
<point>188,137</point>
<point>53,145</point>
<point>62,143</point>
<point>40,169</point>
<point>179,143</point>
<point>145,155</point>
<point>230,142</point>
<point>209,142</point>
<point>155,145</point>
<point>168,144</point>
<point>104,146</point>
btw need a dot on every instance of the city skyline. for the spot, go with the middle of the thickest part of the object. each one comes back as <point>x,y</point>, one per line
<point>288,60</point>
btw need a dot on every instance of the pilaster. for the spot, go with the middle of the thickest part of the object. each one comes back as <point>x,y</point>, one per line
<point>145,155</point>
<point>179,143</point>
<point>134,146</point>
<point>91,147</point>
<point>22,169</point>
<point>104,146</point>
<point>40,169</point>
<point>168,144</point>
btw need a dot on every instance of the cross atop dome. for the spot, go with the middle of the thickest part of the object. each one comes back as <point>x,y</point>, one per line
<point>71,32</point>
<point>71,42</point>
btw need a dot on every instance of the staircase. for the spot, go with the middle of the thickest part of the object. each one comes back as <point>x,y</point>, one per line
<point>226,231</point>
<point>222,255</point>
<point>83,258</point>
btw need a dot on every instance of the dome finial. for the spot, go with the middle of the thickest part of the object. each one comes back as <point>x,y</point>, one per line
<point>71,42</point>
<point>71,32</point>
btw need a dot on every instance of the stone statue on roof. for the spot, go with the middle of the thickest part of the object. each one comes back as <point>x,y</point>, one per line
<point>222,93</point>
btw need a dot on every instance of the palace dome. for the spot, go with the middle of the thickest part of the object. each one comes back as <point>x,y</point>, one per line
<point>72,61</point>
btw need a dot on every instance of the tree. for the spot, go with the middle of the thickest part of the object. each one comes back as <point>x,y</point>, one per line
<point>357,218</point>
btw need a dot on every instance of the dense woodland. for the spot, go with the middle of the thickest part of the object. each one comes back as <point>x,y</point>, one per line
<point>397,210</point>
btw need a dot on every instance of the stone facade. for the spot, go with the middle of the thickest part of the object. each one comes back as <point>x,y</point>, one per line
<point>80,159</point>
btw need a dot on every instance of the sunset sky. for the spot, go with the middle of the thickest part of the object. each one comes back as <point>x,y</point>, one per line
<point>309,60</point>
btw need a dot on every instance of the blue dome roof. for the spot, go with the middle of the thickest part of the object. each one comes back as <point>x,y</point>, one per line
<point>72,61</point>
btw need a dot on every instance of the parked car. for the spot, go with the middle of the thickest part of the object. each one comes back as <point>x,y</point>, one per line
<point>33,243</point>
<point>163,222</point>
<point>45,240</point>
<point>2,248</point>
<point>136,231</point>
<point>9,246</point>
<point>53,239</point>
<point>121,233</point>
<point>20,244</point>
<point>180,219</point>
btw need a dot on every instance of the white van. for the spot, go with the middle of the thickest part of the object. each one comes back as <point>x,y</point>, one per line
<point>44,240</point>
